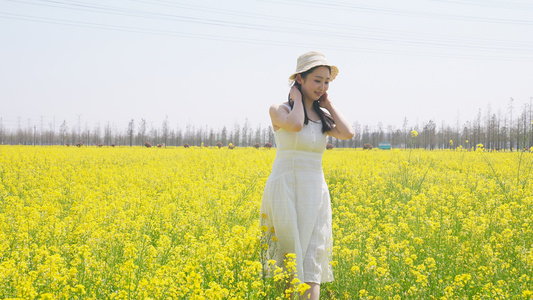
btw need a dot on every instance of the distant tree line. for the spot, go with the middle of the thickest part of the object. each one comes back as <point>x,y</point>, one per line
<point>138,134</point>
<point>495,130</point>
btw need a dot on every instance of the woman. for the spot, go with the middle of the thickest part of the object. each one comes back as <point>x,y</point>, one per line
<point>296,208</point>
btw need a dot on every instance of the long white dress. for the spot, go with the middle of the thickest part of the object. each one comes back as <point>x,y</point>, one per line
<point>296,206</point>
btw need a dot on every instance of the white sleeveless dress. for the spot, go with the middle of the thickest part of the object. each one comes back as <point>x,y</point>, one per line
<point>296,206</point>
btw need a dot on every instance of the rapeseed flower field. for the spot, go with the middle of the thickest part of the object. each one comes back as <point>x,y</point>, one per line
<point>176,223</point>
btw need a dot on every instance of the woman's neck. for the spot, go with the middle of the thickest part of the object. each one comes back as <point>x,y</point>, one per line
<point>308,104</point>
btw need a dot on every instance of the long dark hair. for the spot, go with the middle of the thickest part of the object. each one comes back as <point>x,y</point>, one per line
<point>327,121</point>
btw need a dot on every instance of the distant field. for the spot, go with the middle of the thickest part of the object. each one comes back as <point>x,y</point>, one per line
<point>176,223</point>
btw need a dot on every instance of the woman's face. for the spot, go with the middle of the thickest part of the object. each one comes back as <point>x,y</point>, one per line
<point>316,83</point>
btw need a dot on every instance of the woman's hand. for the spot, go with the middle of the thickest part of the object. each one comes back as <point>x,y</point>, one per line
<point>324,101</point>
<point>295,94</point>
<point>341,129</point>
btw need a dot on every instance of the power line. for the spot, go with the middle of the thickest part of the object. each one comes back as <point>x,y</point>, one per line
<point>77,5</point>
<point>252,41</point>
<point>443,45</point>
<point>523,47</point>
<point>391,35</point>
<point>492,4</point>
<point>398,12</point>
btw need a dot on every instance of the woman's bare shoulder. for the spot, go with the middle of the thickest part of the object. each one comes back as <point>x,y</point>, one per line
<point>277,106</point>
<point>278,112</point>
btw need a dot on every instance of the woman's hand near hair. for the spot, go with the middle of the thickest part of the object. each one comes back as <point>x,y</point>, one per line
<point>289,120</point>
<point>295,94</point>
<point>324,101</point>
<point>342,129</point>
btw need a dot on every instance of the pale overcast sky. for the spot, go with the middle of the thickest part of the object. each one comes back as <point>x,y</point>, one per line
<point>215,63</point>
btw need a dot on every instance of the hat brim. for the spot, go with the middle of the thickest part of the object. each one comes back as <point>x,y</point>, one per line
<point>334,71</point>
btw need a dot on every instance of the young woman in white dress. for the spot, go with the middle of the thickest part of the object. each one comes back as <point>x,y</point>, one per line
<point>296,207</point>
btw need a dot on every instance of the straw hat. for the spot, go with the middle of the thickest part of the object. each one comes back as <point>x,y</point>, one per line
<point>310,60</point>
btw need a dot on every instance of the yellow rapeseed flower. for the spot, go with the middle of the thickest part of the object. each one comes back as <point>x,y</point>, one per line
<point>152,223</point>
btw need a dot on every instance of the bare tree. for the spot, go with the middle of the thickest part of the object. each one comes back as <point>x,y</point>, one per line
<point>357,135</point>
<point>131,128</point>
<point>165,130</point>
<point>271,138</point>
<point>511,145</point>
<point>224,136</point>
<point>245,139</point>
<point>405,133</point>
<point>2,132</point>
<point>63,131</point>
<point>73,138</point>
<point>142,132</point>
<point>179,137</point>
<point>211,140</point>
<point>429,135</point>
<point>257,136</point>
<point>97,134</point>
<point>530,123</point>
<point>365,138</point>
<point>107,134</point>
<point>154,133</point>
<point>236,135</point>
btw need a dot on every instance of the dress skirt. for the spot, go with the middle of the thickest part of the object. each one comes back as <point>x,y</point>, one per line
<point>296,211</point>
